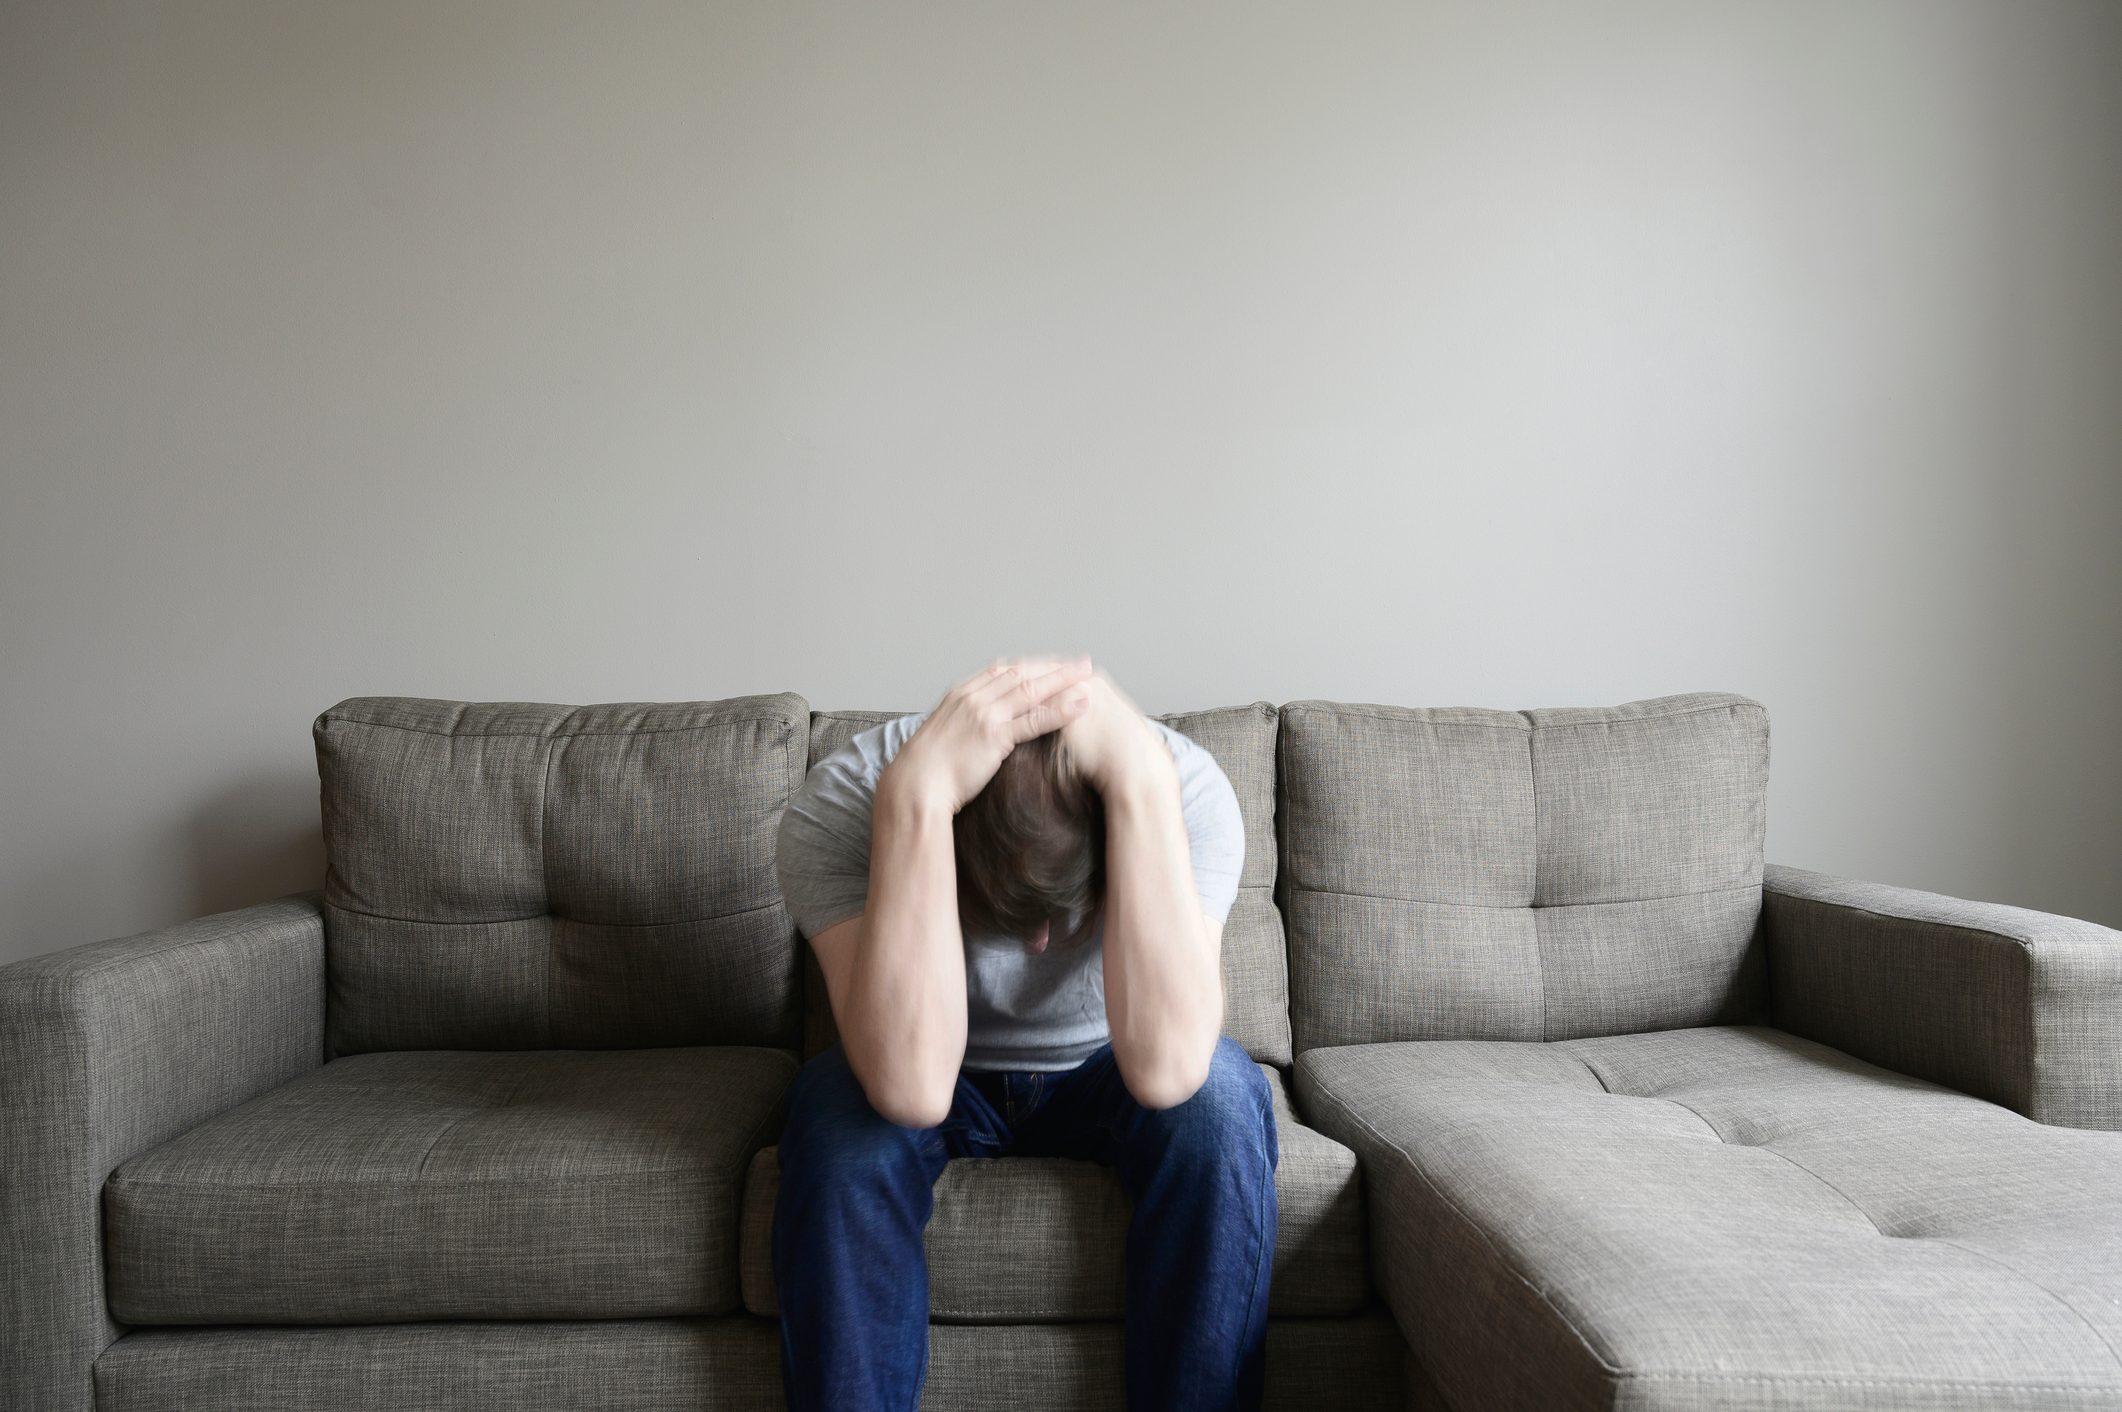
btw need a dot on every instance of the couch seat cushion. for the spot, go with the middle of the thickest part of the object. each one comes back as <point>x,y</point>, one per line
<point>1725,1217</point>
<point>439,1184</point>
<point>1071,1263</point>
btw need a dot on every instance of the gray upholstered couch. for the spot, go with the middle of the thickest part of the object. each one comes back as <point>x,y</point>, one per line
<point>1580,1106</point>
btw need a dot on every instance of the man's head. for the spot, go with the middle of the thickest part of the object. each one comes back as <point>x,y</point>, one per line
<point>1031,847</point>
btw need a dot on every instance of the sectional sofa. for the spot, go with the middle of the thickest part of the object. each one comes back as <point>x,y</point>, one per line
<point>1581,1103</point>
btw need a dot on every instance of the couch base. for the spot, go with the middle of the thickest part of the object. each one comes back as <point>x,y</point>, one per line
<point>1351,1364</point>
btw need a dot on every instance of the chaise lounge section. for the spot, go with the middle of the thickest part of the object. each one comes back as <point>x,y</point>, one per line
<point>1610,1088</point>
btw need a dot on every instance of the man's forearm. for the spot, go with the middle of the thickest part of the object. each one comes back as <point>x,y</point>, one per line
<point>1163,983</point>
<point>909,972</point>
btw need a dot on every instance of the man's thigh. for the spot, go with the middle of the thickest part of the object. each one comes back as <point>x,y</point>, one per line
<point>828,1108</point>
<point>1087,1111</point>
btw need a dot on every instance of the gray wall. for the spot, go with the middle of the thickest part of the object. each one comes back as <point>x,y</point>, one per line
<point>1475,353</point>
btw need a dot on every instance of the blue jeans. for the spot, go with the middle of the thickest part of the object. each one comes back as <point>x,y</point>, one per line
<point>857,1192</point>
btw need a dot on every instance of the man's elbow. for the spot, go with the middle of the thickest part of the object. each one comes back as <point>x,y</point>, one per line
<point>1168,1086</point>
<point>909,1104</point>
<point>919,1113</point>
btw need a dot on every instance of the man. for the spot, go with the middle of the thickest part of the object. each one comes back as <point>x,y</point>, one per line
<point>1017,899</point>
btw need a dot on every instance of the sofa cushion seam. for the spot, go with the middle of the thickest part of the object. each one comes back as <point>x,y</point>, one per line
<point>2076,1312</point>
<point>556,734</point>
<point>1475,1226</point>
<point>551,916</point>
<point>1527,906</point>
<point>327,1184</point>
<point>1831,1380</point>
<point>1339,709</point>
<point>1726,706</point>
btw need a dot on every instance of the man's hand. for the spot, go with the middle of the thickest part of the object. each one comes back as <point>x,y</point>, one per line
<point>962,743</point>
<point>1110,740</point>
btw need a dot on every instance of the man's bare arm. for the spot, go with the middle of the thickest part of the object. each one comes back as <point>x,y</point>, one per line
<point>899,1001</point>
<point>897,978</point>
<point>1164,996</point>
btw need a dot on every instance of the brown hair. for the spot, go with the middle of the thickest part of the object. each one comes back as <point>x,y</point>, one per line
<point>1030,847</point>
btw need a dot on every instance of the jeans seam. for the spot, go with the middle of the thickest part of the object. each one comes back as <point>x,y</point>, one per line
<point>1267,1253</point>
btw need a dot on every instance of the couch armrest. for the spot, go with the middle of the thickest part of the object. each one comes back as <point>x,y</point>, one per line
<point>107,1049</point>
<point>2019,1007</point>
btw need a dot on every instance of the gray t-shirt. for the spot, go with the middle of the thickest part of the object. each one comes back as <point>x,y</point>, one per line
<point>1023,1011</point>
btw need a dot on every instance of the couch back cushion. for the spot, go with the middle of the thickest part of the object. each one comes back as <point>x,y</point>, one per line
<point>1255,956</point>
<point>1461,873</point>
<point>517,875</point>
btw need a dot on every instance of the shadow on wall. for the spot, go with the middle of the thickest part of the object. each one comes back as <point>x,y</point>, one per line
<point>255,840</point>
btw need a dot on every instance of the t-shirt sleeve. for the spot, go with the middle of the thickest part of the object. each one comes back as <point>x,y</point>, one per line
<point>821,857</point>
<point>1215,830</point>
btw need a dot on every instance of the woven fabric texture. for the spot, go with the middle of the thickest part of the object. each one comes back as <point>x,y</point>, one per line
<point>2020,1007</point>
<point>1727,1217</point>
<point>1462,873</point>
<point>516,875</point>
<point>399,1186</point>
<point>688,1365</point>
<point>108,1049</point>
<point>988,1264</point>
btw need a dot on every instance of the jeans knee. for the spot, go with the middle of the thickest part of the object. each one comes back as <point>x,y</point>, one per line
<point>832,1132</point>
<point>1229,1114</point>
<point>1237,1079</point>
